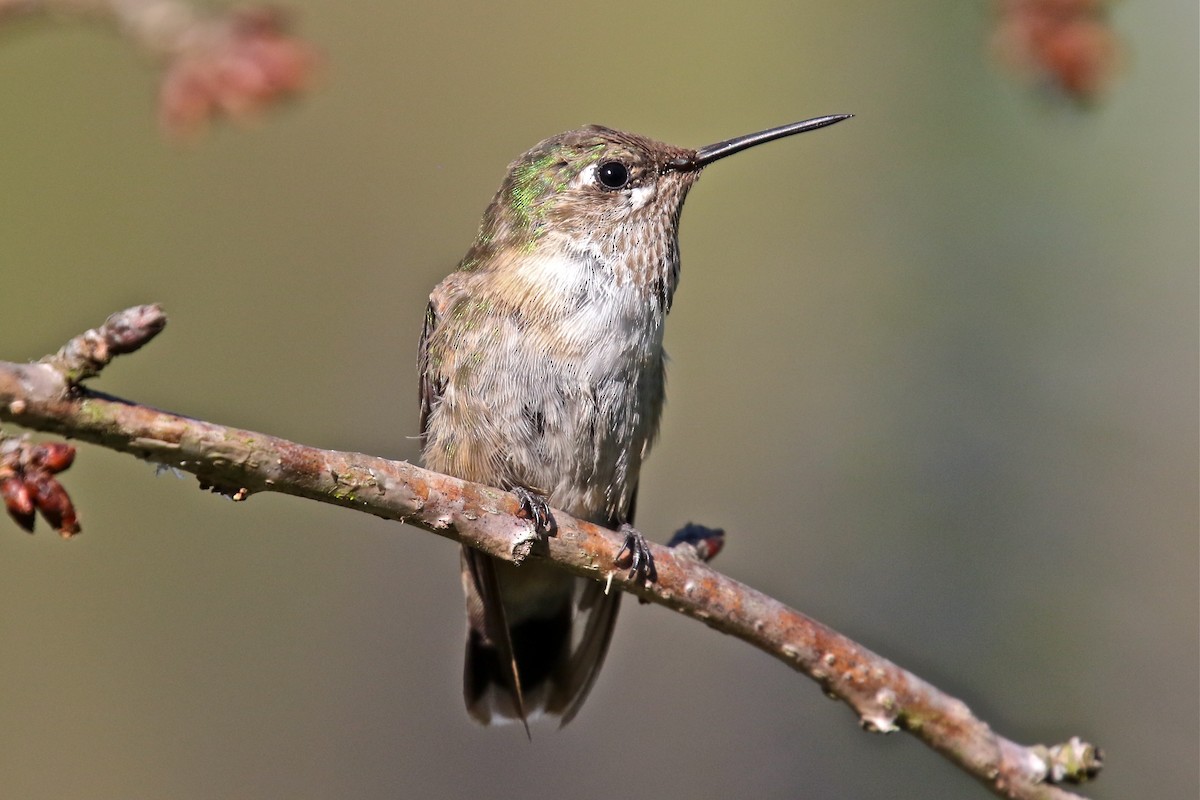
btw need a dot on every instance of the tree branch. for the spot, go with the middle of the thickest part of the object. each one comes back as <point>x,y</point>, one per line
<point>46,396</point>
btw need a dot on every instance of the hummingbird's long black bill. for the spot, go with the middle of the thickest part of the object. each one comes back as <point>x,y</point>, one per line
<point>713,152</point>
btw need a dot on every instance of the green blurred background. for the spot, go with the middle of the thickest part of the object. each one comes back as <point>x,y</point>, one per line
<point>934,369</point>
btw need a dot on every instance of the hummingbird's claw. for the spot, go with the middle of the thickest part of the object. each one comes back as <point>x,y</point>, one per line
<point>641,561</point>
<point>535,508</point>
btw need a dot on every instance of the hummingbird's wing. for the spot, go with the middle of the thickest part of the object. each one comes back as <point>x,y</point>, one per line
<point>430,386</point>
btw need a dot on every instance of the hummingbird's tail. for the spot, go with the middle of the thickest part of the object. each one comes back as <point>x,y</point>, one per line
<point>526,653</point>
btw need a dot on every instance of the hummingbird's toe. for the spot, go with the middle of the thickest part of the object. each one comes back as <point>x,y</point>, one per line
<point>535,508</point>
<point>641,561</point>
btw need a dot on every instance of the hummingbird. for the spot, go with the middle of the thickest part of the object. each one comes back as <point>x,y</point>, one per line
<point>542,373</point>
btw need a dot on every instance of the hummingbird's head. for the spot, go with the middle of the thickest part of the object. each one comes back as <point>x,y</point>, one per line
<point>603,195</point>
<point>595,184</point>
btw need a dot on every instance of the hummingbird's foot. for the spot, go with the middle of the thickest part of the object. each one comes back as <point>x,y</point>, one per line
<point>702,540</point>
<point>535,508</point>
<point>641,561</point>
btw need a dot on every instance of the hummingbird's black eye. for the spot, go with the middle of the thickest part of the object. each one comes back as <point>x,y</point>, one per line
<point>613,174</point>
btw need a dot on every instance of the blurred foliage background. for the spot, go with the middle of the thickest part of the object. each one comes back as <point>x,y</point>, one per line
<point>934,369</point>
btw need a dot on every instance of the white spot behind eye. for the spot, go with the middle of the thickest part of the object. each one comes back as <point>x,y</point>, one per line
<point>641,196</point>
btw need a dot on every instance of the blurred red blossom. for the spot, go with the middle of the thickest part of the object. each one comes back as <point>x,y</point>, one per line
<point>233,66</point>
<point>1067,44</point>
<point>227,63</point>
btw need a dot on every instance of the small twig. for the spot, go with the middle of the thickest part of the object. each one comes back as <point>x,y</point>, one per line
<point>124,332</point>
<point>236,462</point>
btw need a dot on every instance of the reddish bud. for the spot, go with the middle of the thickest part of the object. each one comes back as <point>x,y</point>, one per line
<point>54,504</point>
<point>52,456</point>
<point>18,501</point>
